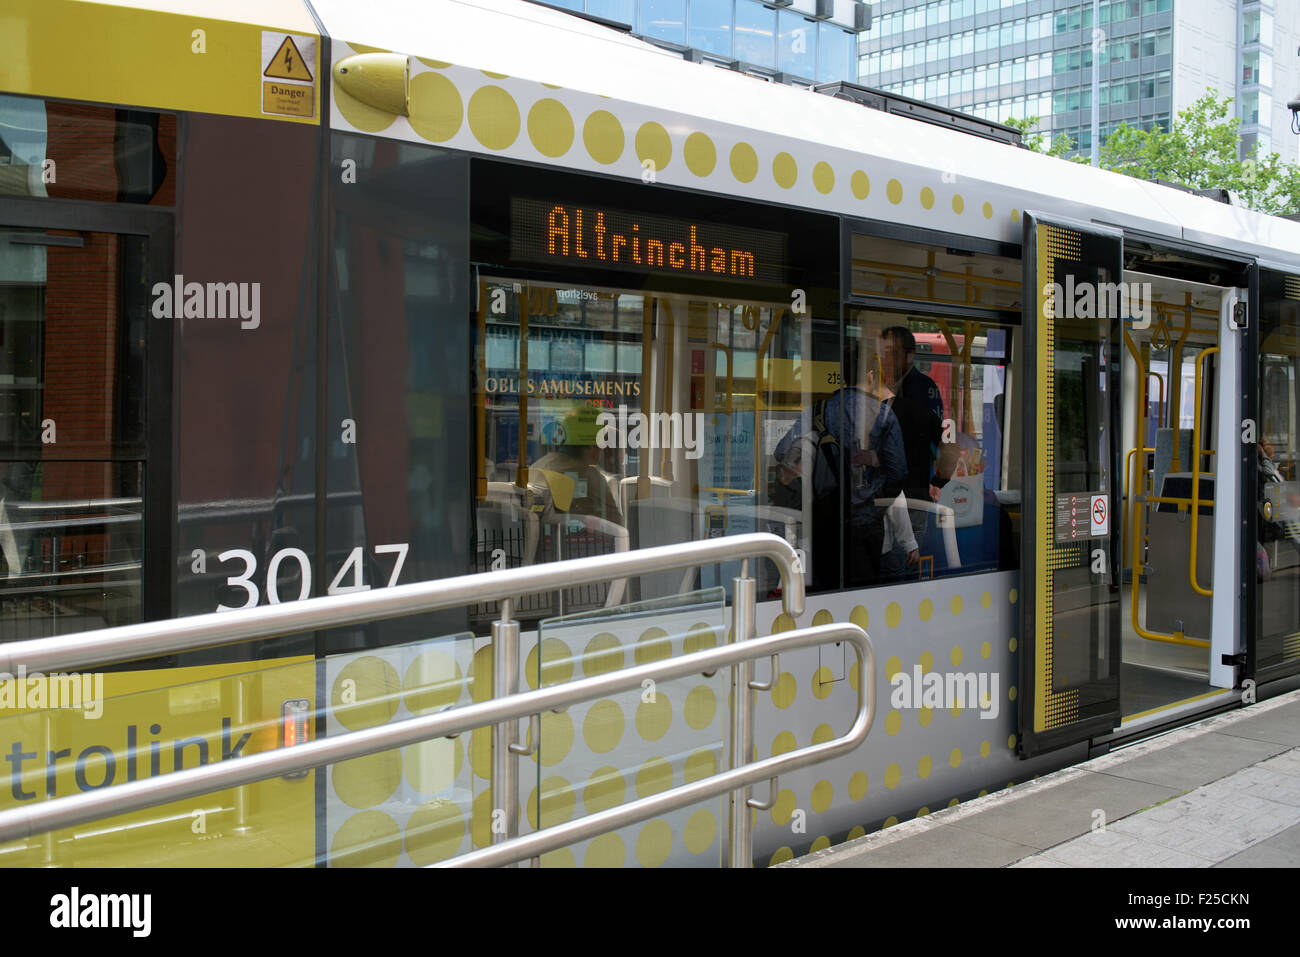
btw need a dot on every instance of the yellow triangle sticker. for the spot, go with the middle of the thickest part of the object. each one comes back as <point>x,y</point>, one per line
<point>288,64</point>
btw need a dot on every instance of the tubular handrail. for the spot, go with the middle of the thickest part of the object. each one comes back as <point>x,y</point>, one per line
<point>23,822</point>
<point>592,825</point>
<point>1196,469</point>
<point>150,639</point>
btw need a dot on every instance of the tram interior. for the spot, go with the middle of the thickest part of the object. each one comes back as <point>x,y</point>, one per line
<point>1167,530</point>
<point>614,419</point>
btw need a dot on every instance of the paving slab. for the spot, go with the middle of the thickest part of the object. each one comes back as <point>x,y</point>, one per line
<point>950,845</point>
<point>1281,725</point>
<point>1057,814</point>
<point>1221,793</point>
<point>1197,761</point>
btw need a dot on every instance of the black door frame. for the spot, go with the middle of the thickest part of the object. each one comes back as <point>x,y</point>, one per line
<point>158,226</point>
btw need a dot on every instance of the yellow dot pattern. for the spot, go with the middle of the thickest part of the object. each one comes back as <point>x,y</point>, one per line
<point>744,162</point>
<point>823,177</point>
<point>493,117</point>
<point>858,785</point>
<point>602,135</point>
<point>860,184</point>
<point>893,614</point>
<point>550,127</point>
<point>927,197</point>
<point>894,190</point>
<point>700,154</point>
<point>784,170</point>
<point>653,145</point>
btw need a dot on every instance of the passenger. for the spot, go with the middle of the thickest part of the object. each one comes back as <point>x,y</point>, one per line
<point>918,405</point>
<point>900,551</point>
<point>1272,526</point>
<point>575,457</point>
<point>853,417</point>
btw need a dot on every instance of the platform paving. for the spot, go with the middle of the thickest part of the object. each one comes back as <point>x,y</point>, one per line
<point>1224,792</point>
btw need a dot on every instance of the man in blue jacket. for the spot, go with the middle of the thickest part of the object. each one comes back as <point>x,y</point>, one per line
<point>854,419</point>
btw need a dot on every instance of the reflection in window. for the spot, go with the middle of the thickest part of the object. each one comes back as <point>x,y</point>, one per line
<point>664,20</point>
<point>70,151</point>
<point>711,26</point>
<point>945,382</point>
<point>934,274</point>
<point>798,44</point>
<point>755,33</point>
<point>660,426</point>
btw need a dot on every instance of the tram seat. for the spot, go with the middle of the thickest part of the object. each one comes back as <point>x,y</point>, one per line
<point>1164,454</point>
<point>660,520</point>
<point>940,539</point>
<point>1172,604</point>
<point>784,522</point>
<point>626,491</point>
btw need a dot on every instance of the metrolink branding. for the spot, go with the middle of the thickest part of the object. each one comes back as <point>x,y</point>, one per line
<point>211,300</point>
<point>38,692</point>
<point>953,689</point>
<point>75,909</point>
<point>1098,300</point>
<point>662,430</point>
<point>101,765</point>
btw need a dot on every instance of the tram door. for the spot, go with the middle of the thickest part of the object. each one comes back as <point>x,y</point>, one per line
<point>1070,655</point>
<point>84,429</point>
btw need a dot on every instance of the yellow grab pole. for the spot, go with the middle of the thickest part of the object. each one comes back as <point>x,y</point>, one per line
<point>1196,468</point>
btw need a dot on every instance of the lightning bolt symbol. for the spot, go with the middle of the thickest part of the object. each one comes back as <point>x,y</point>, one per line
<point>288,60</point>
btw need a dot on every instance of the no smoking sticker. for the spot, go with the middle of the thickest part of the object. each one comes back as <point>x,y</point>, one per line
<point>1099,516</point>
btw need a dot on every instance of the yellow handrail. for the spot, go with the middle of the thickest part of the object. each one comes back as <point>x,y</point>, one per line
<point>1135,569</point>
<point>1178,638</point>
<point>1160,409</point>
<point>1196,468</point>
<point>1128,490</point>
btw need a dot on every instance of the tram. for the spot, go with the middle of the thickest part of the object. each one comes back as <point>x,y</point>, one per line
<point>307,298</point>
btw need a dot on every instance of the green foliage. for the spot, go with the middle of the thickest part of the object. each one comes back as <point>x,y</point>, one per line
<point>1200,151</point>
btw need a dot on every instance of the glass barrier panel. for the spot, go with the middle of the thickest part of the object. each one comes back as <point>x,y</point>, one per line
<point>604,753</point>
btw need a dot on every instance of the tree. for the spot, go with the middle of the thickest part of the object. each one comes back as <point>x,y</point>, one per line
<point>1201,151</point>
<point>1061,146</point>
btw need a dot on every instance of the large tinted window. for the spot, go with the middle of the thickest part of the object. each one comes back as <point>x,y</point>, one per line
<point>939,353</point>
<point>398,419</point>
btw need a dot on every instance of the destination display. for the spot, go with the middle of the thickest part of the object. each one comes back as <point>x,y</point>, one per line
<point>591,235</point>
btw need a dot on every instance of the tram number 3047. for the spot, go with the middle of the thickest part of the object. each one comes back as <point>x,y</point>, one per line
<point>352,569</point>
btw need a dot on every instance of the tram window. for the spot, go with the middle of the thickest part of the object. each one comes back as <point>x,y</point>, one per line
<point>71,151</point>
<point>941,383</point>
<point>920,272</point>
<point>659,425</point>
<point>1277,482</point>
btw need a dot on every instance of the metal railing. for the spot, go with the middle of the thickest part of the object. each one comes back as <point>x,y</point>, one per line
<point>503,712</point>
<point>25,822</point>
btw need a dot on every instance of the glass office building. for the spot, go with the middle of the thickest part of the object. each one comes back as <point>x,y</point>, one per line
<point>1010,58</point>
<point>801,42</point>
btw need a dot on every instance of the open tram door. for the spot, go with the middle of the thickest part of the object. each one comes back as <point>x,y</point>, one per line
<point>1070,650</point>
<point>1135,355</point>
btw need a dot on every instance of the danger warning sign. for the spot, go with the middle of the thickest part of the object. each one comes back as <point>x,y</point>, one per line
<point>288,74</point>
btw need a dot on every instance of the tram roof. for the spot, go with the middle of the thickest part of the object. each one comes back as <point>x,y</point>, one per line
<point>591,68</point>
